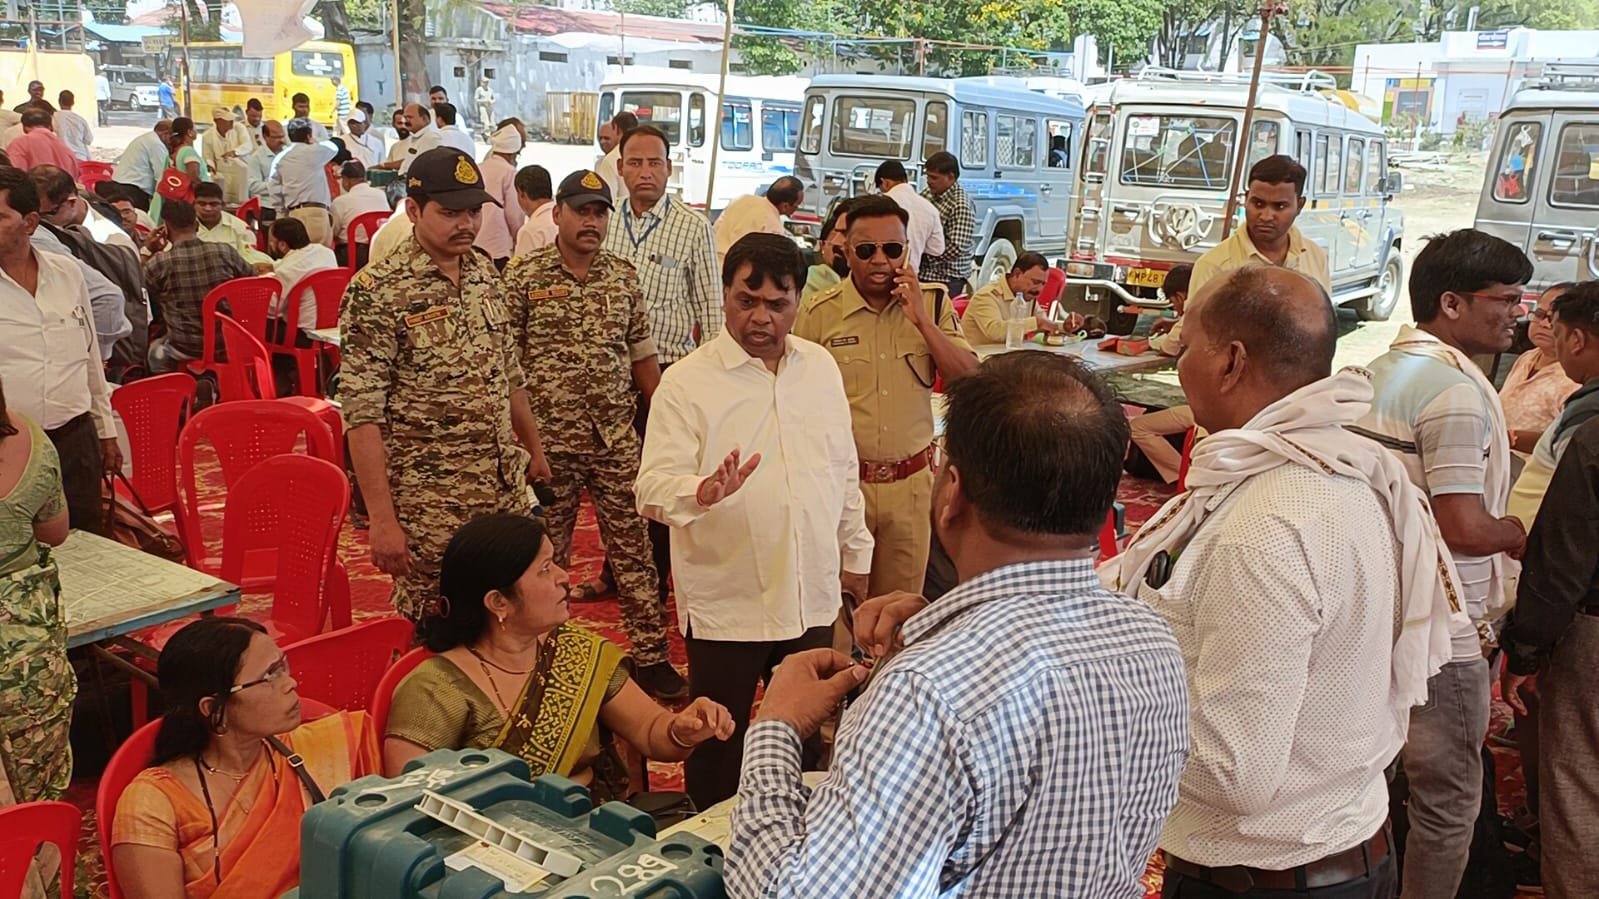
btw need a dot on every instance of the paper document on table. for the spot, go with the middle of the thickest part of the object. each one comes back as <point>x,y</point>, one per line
<point>102,579</point>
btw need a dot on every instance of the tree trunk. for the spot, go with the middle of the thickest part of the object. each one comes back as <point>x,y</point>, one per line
<point>413,50</point>
<point>334,20</point>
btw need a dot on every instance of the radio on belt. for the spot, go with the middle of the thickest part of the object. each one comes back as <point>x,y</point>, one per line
<point>468,824</point>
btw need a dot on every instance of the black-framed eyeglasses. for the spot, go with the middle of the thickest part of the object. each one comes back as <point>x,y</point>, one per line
<point>276,673</point>
<point>865,251</point>
<point>1543,315</point>
<point>1508,301</point>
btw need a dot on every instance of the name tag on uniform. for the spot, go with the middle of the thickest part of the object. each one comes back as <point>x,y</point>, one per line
<point>553,293</point>
<point>844,341</point>
<point>427,316</point>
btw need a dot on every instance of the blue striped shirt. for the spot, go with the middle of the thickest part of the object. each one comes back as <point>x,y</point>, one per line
<point>1026,742</point>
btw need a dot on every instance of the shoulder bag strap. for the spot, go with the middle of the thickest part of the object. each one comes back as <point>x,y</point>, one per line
<point>298,764</point>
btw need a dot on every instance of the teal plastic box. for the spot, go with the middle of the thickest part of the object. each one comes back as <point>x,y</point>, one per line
<point>370,840</point>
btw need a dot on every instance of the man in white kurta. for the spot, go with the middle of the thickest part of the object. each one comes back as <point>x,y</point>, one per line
<point>749,457</point>
<point>225,148</point>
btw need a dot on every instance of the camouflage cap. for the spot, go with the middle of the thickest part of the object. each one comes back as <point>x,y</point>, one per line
<point>449,178</point>
<point>583,187</point>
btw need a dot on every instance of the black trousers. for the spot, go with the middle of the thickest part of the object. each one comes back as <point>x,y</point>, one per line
<point>135,194</point>
<point>81,468</point>
<point>1381,882</point>
<point>727,671</point>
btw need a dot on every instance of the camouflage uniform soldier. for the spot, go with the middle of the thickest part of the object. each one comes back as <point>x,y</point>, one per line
<point>433,394</point>
<point>580,322</point>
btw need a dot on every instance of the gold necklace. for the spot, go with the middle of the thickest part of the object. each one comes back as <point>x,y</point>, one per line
<point>218,771</point>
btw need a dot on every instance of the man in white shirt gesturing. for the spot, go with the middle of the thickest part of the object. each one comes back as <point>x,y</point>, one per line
<point>925,230</point>
<point>749,457</point>
<point>1311,595</point>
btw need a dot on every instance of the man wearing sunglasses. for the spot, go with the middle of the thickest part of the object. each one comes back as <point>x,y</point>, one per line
<point>892,338</point>
<point>1437,412</point>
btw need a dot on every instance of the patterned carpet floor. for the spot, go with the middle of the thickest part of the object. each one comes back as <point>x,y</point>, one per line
<point>369,599</point>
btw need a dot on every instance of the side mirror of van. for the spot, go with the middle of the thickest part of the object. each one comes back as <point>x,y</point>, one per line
<point>1392,184</point>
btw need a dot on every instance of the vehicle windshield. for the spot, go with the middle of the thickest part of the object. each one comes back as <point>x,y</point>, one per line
<point>875,127</point>
<point>1098,144</point>
<point>1178,151</point>
<point>138,77</point>
<point>318,64</point>
<point>663,109</point>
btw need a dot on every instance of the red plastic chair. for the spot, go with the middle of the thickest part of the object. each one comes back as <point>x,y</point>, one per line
<point>133,756</point>
<point>1054,288</point>
<point>153,410</point>
<point>28,825</point>
<point>249,212</point>
<point>290,508</point>
<point>248,375</point>
<point>366,223</point>
<point>1109,540</point>
<point>243,434</point>
<point>383,696</point>
<point>342,668</point>
<point>250,301</point>
<point>91,173</point>
<point>327,287</point>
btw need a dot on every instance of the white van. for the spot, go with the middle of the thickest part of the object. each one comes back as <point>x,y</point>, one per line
<point>1541,191</point>
<point>758,134</point>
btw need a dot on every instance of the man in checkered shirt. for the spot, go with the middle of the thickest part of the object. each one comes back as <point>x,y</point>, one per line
<point>1024,735</point>
<point>953,267</point>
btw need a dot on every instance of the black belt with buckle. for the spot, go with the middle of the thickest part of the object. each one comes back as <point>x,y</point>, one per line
<point>1340,867</point>
<point>303,205</point>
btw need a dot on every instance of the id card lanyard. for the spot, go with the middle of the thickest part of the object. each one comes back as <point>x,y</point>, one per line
<point>627,222</point>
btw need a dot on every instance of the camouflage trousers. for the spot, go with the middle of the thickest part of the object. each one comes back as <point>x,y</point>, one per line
<point>608,475</point>
<point>430,518</point>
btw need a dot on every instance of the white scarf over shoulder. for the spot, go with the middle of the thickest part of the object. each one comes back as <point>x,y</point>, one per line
<point>1308,428</point>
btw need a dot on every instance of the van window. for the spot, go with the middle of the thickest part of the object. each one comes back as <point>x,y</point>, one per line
<point>1302,155</point>
<point>779,127</point>
<point>974,139</point>
<point>1327,164</point>
<point>1060,143</point>
<point>1576,180</point>
<point>1376,170</point>
<point>878,127</point>
<point>663,109</point>
<point>1517,163</point>
<point>738,125</point>
<point>1263,141</point>
<point>696,120</point>
<point>811,135</point>
<point>1354,165</point>
<point>1097,147</point>
<point>607,109</point>
<point>1015,141</point>
<point>1178,151</point>
<point>935,128</point>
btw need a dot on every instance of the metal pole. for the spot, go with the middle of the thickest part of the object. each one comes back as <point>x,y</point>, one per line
<point>183,68</point>
<point>714,126</point>
<point>399,77</point>
<point>1242,155</point>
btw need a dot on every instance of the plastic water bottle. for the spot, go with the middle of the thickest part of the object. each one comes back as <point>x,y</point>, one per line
<point>1018,321</point>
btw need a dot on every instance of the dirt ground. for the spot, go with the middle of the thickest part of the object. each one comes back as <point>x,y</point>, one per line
<point>1434,201</point>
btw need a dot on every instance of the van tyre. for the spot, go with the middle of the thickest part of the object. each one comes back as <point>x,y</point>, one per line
<point>1380,305</point>
<point>999,259</point>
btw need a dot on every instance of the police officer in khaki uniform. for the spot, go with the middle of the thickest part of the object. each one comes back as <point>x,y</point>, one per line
<point>892,337</point>
<point>433,394</point>
<point>580,323</point>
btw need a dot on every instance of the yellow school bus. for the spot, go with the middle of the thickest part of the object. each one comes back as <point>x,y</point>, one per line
<point>221,75</point>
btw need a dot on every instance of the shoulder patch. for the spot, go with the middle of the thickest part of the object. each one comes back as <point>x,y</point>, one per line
<point>364,279</point>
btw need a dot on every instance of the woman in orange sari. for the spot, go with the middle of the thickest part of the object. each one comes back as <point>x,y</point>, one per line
<point>514,674</point>
<point>218,814</point>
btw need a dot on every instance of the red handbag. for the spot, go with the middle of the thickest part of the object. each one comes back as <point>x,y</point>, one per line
<point>176,184</point>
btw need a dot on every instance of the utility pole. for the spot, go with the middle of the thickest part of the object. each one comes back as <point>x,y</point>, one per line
<point>1267,11</point>
<point>714,126</point>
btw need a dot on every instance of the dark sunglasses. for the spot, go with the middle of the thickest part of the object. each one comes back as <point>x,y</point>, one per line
<point>865,251</point>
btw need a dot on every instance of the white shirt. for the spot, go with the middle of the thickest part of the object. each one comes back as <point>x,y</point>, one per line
<point>259,164</point>
<point>102,88</point>
<point>762,564</point>
<point>925,232</point>
<point>74,130</point>
<point>368,147</point>
<point>411,147</point>
<point>748,214</point>
<point>352,204</point>
<point>296,265</point>
<point>106,300</point>
<point>106,231</point>
<point>395,232</point>
<point>299,176</point>
<point>452,136</point>
<point>232,171</point>
<point>538,231</point>
<point>51,368</point>
<point>1283,606</point>
<point>496,236</point>
<point>606,168</point>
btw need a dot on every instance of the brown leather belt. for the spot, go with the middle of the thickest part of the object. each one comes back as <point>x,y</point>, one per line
<point>1339,868</point>
<point>889,472</point>
<point>312,205</point>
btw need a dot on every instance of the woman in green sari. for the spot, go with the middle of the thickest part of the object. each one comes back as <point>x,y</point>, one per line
<point>512,673</point>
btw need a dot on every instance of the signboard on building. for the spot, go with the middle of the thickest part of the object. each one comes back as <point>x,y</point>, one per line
<point>1493,40</point>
